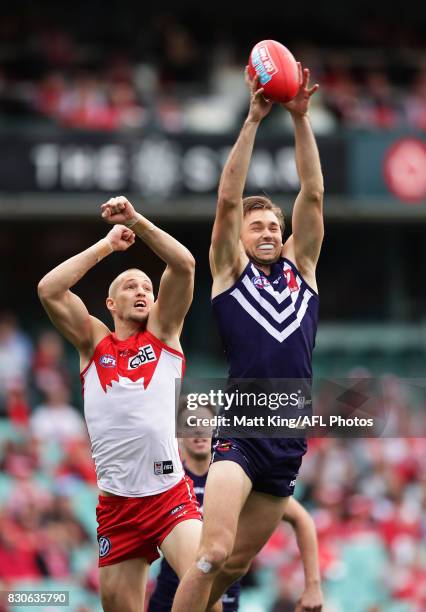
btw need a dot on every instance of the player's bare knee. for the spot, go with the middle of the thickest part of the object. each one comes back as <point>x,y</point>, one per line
<point>211,559</point>
<point>235,571</point>
<point>113,601</point>
<point>109,599</point>
<point>239,571</point>
<point>237,566</point>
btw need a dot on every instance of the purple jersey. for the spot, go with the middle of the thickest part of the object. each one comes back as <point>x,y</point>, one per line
<point>268,323</point>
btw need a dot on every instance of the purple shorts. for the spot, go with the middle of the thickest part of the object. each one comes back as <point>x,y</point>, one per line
<point>272,464</point>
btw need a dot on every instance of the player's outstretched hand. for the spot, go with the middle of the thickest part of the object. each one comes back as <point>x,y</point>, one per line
<point>121,237</point>
<point>259,106</point>
<point>118,210</point>
<point>300,104</point>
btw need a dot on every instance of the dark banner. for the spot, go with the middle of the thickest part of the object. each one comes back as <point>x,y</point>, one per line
<point>295,408</point>
<point>155,166</point>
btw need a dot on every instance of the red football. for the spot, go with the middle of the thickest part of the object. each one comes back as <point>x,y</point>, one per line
<point>277,70</point>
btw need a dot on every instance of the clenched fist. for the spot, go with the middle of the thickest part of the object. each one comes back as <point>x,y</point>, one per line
<point>312,600</point>
<point>118,210</point>
<point>120,238</point>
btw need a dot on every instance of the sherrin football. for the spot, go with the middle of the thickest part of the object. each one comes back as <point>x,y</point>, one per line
<point>277,70</point>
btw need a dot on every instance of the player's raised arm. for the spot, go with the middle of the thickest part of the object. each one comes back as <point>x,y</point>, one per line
<point>177,282</point>
<point>65,309</point>
<point>225,251</point>
<point>304,528</point>
<point>307,221</point>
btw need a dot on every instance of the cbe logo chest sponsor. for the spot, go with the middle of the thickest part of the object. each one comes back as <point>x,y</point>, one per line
<point>145,354</point>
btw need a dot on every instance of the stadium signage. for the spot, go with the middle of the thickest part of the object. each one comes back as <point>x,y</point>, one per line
<point>157,166</point>
<point>154,168</point>
<point>405,170</point>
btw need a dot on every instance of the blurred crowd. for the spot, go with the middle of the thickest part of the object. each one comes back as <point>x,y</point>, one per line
<point>175,82</point>
<point>367,497</point>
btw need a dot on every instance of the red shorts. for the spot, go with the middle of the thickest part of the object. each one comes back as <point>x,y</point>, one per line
<point>130,527</point>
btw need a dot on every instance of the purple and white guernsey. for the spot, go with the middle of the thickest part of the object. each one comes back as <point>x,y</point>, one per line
<point>268,323</point>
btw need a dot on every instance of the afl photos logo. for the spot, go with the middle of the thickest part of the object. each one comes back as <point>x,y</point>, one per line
<point>104,546</point>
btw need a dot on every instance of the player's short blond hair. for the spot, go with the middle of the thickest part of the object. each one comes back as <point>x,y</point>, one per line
<point>118,279</point>
<point>263,203</point>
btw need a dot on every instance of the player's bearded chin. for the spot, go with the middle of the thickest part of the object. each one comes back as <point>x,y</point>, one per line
<point>269,258</point>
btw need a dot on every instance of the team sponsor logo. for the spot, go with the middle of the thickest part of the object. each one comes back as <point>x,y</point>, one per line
<point>263,64</point>
<point>175,510</point>
<point>145,354</point>
<point>108,361</point>
<point>163,467</point>
<point>104,546</point>
<point>291,280</point>
<point>260,282</point>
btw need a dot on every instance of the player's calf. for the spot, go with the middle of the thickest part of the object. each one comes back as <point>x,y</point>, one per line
<point>232,571</point>
<point>194,590</point>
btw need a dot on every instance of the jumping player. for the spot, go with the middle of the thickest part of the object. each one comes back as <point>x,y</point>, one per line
<point>196,454</point>
<point>128,377</point>
<point>266,302</point>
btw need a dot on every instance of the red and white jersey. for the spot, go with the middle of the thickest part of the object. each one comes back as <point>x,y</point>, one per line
<point>129,405</point>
